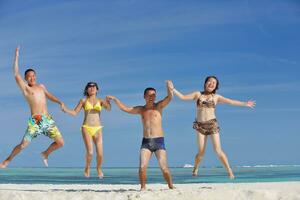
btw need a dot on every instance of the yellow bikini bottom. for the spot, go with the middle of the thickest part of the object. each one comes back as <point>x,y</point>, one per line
<point>92,130</point>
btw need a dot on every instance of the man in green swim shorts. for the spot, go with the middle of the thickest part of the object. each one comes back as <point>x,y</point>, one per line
<point>40,121</point>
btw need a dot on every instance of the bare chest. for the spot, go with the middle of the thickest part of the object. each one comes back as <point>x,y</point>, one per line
<point>35,93</point>
<point>151,114</point>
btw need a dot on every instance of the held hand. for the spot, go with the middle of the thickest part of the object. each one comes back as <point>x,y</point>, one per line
<point>250,103</point>
<point>170,84</point>
<point>63,107</point>
<point>109,97</point>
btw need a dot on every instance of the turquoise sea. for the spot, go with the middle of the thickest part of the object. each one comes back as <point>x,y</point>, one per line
<point>244,174</point>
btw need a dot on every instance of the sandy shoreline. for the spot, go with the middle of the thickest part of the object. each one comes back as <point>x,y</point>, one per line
<point>238,191</point>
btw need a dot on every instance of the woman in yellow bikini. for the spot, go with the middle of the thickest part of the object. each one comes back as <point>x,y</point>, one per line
<point>91,127</point>
<point>206,123</point>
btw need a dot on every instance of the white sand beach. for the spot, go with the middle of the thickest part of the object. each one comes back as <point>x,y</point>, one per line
<point>238,191</point>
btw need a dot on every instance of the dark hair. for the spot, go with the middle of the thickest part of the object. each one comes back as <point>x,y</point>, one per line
<point>28,70</point>
<point>148,89</point>
<point>89,84</point>
<point>217,85</point>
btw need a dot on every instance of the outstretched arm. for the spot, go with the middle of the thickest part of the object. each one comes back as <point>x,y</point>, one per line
<point>222,99</point>
<point>76,110</point>
<point>190,96</point>
<point>21,83</point>
<point>106,104</point>
<point>53,98</point>
<point>163,103</point>
<point>123,107</point>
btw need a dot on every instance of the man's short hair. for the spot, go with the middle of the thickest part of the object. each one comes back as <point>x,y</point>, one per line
<point>28,70</point>
<point>149,88</point>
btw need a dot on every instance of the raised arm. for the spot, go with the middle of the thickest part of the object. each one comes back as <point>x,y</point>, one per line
<point>123,107</point>
<point>222,99</point>
<point>106,104</point>
<point>21,83</point>
<point>190,96</point>
<point>76,110</point>
<point>163,103</point>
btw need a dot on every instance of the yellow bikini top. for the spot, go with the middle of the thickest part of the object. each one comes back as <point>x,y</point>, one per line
<point>88,106</point>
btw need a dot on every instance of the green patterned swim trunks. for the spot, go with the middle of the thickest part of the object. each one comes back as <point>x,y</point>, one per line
<point>41,124</point>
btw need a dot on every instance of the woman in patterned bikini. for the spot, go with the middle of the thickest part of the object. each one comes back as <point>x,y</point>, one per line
<point>206,123</point>
<point>91,127</point>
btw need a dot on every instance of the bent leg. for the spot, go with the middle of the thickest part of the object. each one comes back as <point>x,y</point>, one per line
<point>14,152</point>
<point>50,130</point>
<point>58,143</point>
<point>201,144</point>
<point>161,156</point>
<point>99,152</point>
<point>145,156</point>
<point>222,156</point>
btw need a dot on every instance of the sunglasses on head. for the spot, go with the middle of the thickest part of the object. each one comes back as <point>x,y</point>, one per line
<point>92,85</point>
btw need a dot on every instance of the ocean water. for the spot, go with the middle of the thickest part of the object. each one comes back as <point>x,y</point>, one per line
<point>244,174</point>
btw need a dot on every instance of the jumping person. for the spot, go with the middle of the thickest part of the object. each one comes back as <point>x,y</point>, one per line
<point>153,135</point>
<point>92,126</point>
<point>206,123</point>
<point>40,121</point>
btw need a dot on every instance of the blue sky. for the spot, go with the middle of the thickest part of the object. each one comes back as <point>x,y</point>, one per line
<point>251,46</point>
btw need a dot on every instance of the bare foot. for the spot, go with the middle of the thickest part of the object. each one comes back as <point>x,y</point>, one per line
<point>195,172</point>
<point>4,164</point>
<point>143,189</point>
<point>45,158</point>
<point>171,187</point>
<point>87,172</point>
<point>231,175</point>
<point>100,173</point>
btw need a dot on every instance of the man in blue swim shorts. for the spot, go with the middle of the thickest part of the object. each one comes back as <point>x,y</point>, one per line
<point>153,140</point>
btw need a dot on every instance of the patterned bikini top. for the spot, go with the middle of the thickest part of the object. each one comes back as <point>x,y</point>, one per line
<point>210,103</point>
